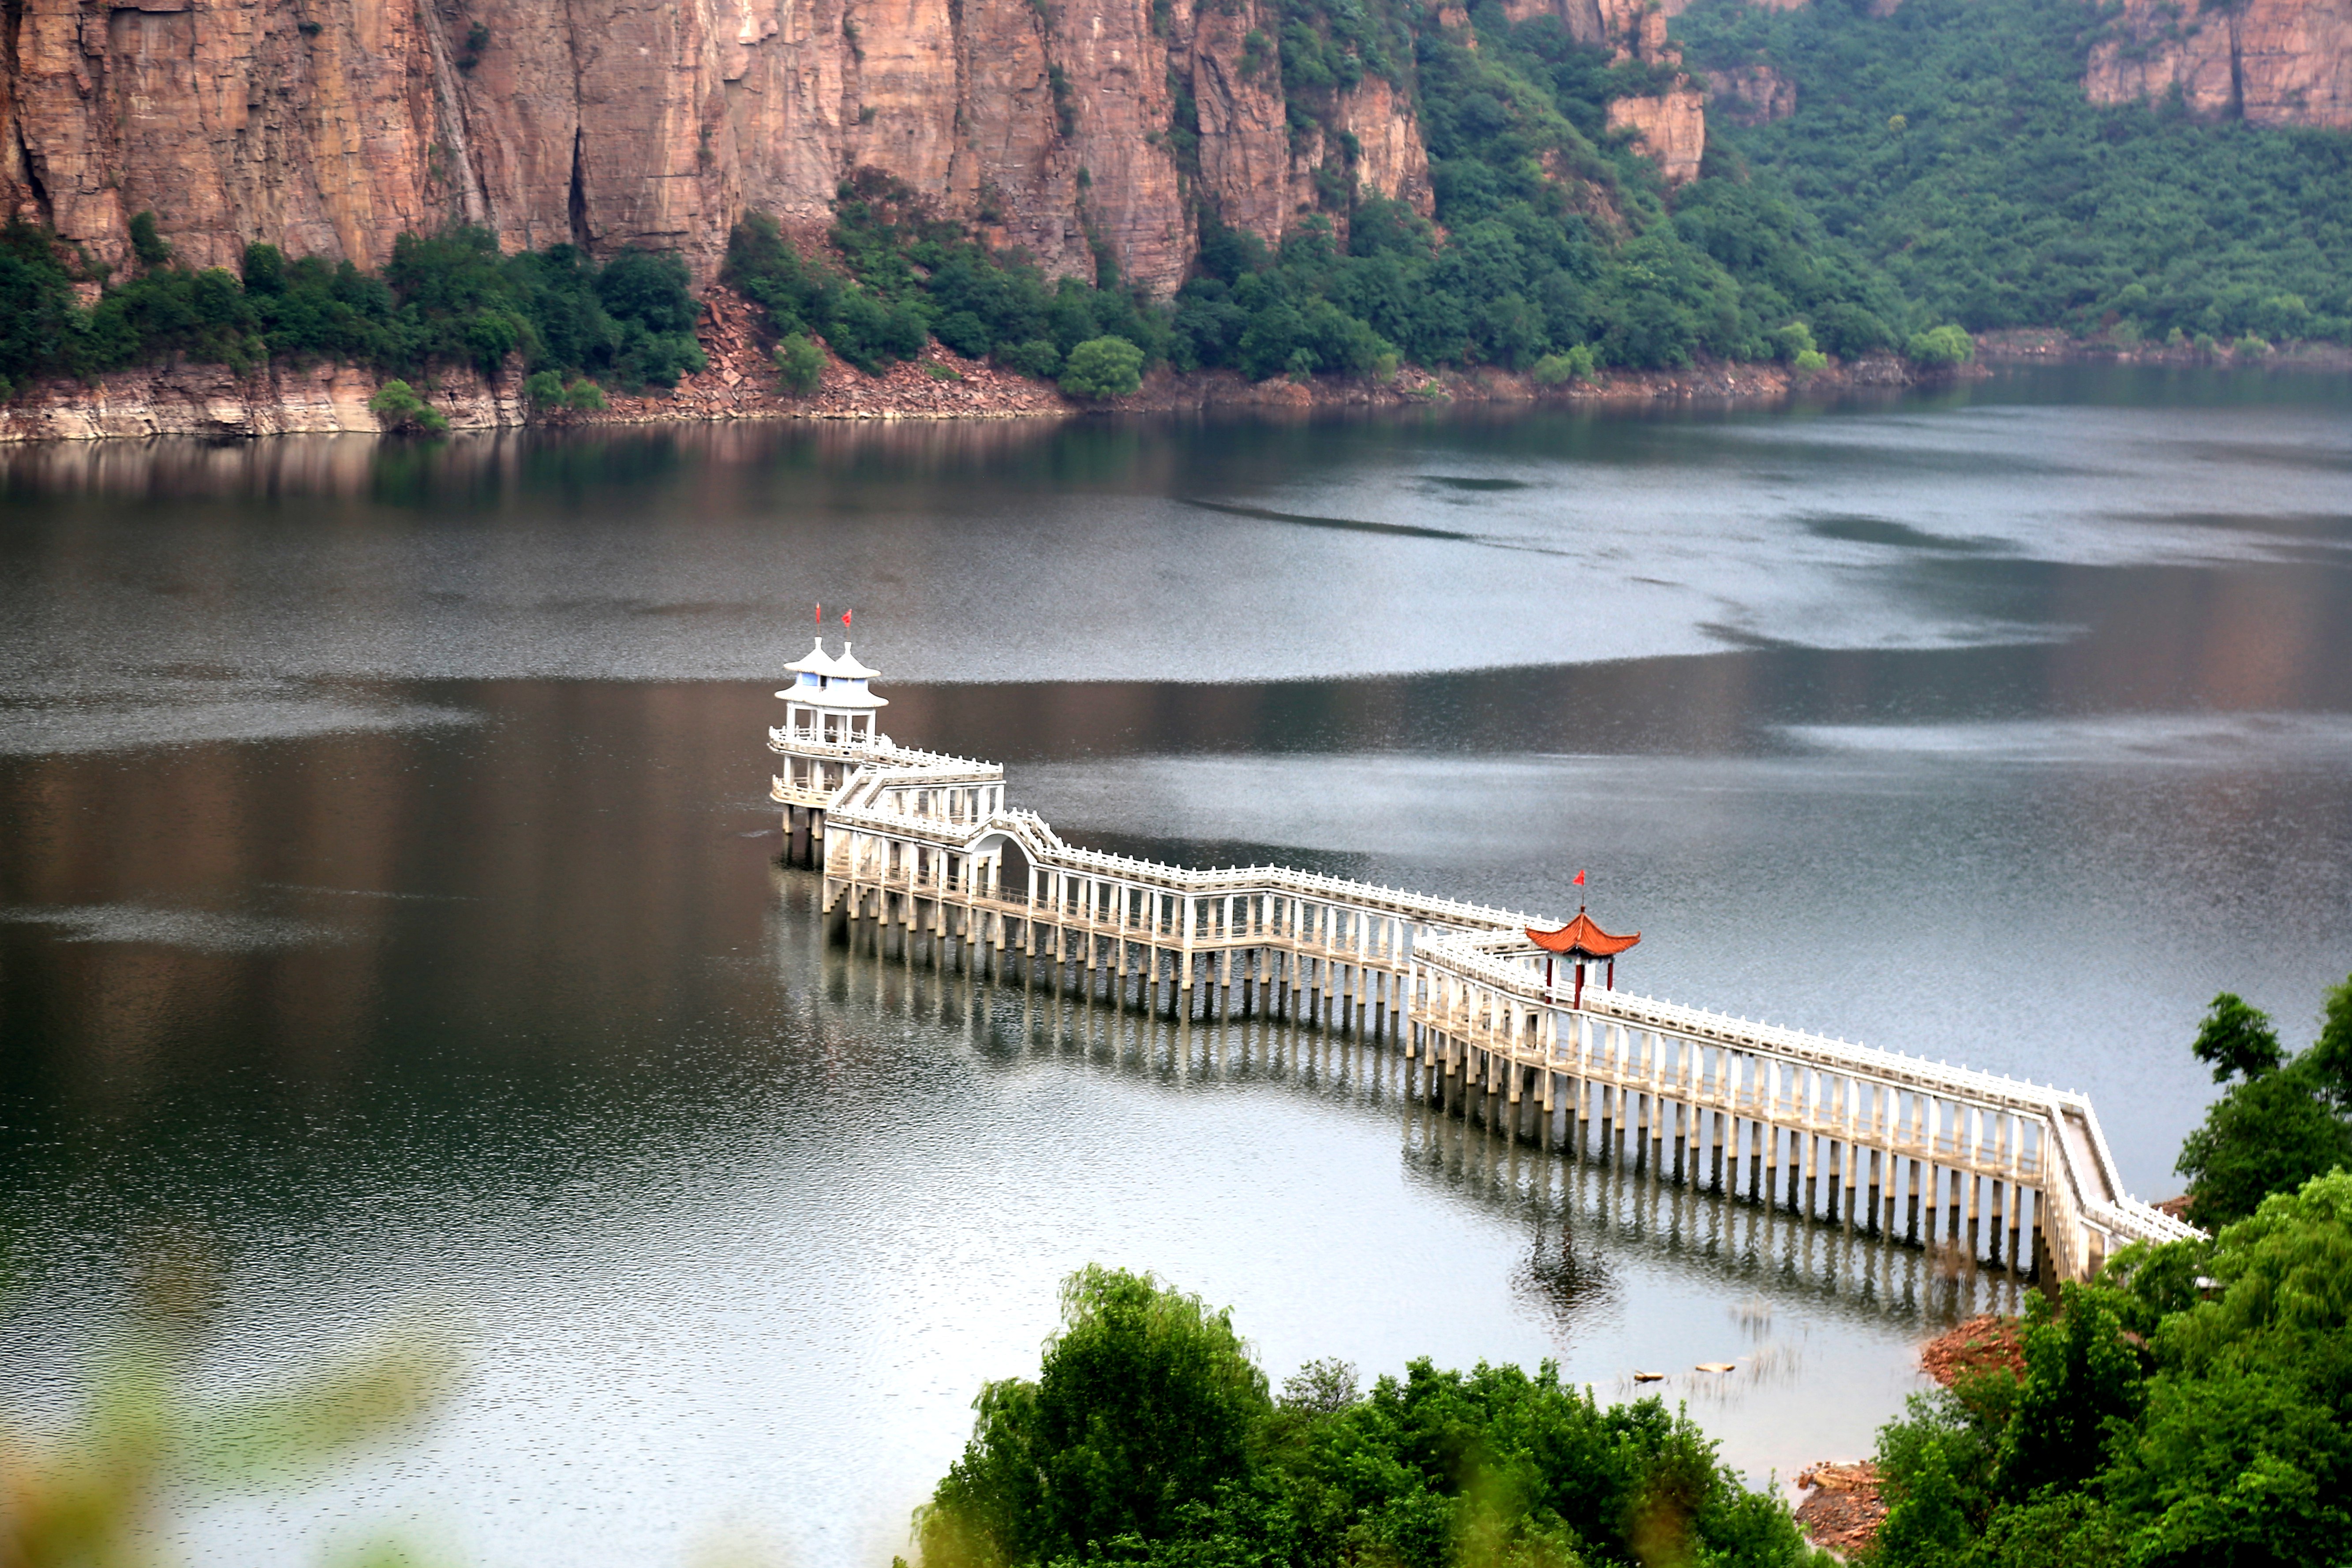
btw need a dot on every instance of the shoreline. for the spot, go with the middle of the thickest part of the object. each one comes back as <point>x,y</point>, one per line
<point>1842,1503</point>
<point>212,402</point>
<point>740,382</point>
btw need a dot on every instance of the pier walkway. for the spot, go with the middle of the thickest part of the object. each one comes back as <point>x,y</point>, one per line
<point>925,845</point>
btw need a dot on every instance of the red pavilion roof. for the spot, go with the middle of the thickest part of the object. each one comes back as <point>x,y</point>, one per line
<point>1580,937</point>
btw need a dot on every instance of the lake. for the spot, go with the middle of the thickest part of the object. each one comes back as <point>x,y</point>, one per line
<point>389,898</point>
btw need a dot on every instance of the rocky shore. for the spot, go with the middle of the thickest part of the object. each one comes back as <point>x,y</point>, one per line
<point>2051,345</point>
<point>1841,1505</point>
<point>740,382</point>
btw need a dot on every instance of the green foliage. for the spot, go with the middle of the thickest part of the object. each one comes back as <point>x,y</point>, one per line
<point>1794,341</point>
<point>150,247</point>
<point>397,404</point>
<point>1810,361</point>
<point>1102,367</point>
<point>1550,236</point>
<point>445,299</point>
<point>2330,1055</point>
<point>1559,369</point>
<point>1147,1440</point>
<point>2081,1384</point>
<point>800,363</point>
<point>1948,145</point>
<point>478,43</point>
<point>1939,348</point>
<point>547,394</point>
<point>2236,1041</point>
<point>1038,357</point>
<point>1144,1403</point>
<point>2284,1123</point>
<point>2193,1405</point>
<point>2268,1134</point>
<point>908,277</point>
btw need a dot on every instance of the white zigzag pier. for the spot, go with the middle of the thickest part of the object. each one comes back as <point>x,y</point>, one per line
<point>2017,1171</point>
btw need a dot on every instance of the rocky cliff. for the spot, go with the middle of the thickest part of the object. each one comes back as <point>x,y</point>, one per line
<point>328,126</point>
<point>1670,126</point>
<point>2271,62</point>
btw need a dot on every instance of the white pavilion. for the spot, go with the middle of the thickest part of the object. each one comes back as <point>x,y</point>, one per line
<point>829,697</point>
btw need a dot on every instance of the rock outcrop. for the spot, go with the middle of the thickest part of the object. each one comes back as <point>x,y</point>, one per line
<point>330,126</point>
<point>1670,126</point>
<point>1751,95</point>
<point>2271,62</point>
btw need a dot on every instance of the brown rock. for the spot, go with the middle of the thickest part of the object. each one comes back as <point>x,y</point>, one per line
<point>1843,1508</point>
<point>2271,62</point>
<point>330,126</point>
<point>1752,95</point>
<point>1245,133</point>
<point>1393,163</point>
<point>1979,1344</point>
<point>1670,127</point>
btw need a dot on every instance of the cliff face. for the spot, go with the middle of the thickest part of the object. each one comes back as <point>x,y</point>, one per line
<point>1752,95</point>
<point>328,126</point>
<point>2273,62</point>
<point>1670,126</point>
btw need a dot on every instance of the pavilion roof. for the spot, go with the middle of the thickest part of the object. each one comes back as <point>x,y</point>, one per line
<point>816,662</point>
<point>1580,937</point>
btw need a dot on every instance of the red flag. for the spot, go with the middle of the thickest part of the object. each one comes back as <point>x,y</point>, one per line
<point>1580,878</point>
<point>820,618</point>
<point>844,618</point>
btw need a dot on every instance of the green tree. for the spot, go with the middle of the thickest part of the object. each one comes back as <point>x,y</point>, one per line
<point>1939,348</point>
<point>2083,1385</point>
<point>1102,367</point>
<point>2331,1054</point>
<point>147,243</point>
<point>1037,357</point>
<point>800,363</point>
<point>2236,1041</point>
<point>1143,1405</point>
<point>1559,369</point>
<point>2283,1123</point>
<point>397,404</point>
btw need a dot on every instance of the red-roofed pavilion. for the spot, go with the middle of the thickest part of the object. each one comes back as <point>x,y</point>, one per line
<point>1583,942</point>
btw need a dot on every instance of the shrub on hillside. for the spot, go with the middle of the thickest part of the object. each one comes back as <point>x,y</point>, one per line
<point>800,364</point>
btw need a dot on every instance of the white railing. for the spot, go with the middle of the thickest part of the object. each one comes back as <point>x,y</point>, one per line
<point>1480,944</point>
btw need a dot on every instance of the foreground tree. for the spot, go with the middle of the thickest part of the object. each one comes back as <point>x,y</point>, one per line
<point>1147,1440</point>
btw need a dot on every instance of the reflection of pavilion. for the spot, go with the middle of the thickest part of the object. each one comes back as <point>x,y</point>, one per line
<point>924,844</point>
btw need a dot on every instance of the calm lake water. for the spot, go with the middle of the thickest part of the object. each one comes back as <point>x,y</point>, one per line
<point>388,895</point>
